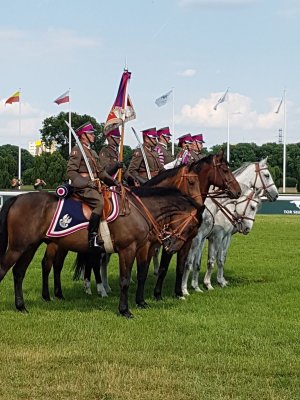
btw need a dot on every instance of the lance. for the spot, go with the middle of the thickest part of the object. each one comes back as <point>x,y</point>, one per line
<point>82,151</point>
<point>143,153</point>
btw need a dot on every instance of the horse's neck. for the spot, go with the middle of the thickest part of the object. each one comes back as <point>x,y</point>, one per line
<point>247,177</point>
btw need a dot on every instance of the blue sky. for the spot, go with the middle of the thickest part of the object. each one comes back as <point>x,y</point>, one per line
<point>197,47</point>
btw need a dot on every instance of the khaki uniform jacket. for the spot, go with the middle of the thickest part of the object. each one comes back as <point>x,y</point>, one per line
<point>194,156</point>
<point>165,155</point>
<point>137,166</point>
<point>78,173</point>
<point>108,158</point>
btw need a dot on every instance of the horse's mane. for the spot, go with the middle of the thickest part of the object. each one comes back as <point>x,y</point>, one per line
<point>197,165</point>
<point>168,173</point>
<point>165,192</point>
<point>242,168</point>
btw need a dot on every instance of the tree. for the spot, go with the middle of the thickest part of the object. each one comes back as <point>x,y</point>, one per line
<point>55,129</point>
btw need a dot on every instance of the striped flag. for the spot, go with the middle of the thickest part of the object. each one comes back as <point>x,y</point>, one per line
<point>162,100</point>
<point>279,106</point>
<point>64,98</point>
<point>15,98</point>
<point>221,100</point>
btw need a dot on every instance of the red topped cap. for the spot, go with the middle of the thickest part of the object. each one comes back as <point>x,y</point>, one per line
<point>114,133</point>
<point>85,128</point>
<point>198,138</point>
<point>187,138</point>
<point>151,133</point>
<point>164,132</point>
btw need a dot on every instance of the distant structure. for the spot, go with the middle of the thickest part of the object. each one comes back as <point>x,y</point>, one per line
<point>38,147</point>
<point>280,140</point>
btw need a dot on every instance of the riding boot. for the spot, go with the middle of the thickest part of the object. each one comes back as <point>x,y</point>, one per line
<point>94,240</point>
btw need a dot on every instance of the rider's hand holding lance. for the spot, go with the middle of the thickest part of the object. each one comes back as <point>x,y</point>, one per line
<point>85,172</point>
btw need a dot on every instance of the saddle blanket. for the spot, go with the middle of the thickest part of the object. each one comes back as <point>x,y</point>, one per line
<point>69,218</point>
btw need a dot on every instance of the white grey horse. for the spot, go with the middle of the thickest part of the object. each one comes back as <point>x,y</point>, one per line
<point>255,175</point>
<point>242,216</point>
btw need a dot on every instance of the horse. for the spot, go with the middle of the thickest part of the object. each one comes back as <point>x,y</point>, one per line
<point>242,217</point>
<point>193,180</point>
<point>251,174</point>
<point>166,214</point>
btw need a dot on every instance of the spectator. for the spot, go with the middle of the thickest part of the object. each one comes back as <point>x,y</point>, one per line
<point>15,183</point>
<point>39,184</point>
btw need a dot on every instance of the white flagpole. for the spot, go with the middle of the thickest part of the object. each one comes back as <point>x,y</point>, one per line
<point>173,123</point>
<point>70,134</point>
<point>19,156</point>
<point>228,133</point>
<point>284,141</point>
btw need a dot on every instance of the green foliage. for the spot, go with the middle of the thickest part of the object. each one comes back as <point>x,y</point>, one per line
<point>55,129</point>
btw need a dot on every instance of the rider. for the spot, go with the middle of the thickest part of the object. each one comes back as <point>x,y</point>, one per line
<point>109,154</point>
<point>197,147</point>
<point>164,138</point>
<point>86,188</point>
<point>137,168</point>
<point>184,154</point>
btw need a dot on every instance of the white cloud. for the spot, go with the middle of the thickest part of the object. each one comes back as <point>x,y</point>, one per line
<point>188,72</point>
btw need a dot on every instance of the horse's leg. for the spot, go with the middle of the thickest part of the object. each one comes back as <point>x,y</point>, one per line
<point>189,264</point>
<point>19,271</point>
<point>197,266</point>
<point>87,275</point>
<point>58,263</point>
<point>96,263</point>
<point>162,272</point>
<point>143,259</point>
<point>221,258</point>
<point>126,259</point>
<point>9,259</point>
<point>155,259</point>
<point>213,246</point>
<point>47,263</point>
<point>103,271</point>
<point>181,257</point>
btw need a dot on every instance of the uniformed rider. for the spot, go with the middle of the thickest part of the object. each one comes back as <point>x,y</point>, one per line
<point>184,155</point>
<point>109,154</point>
<point>197,147</point>
<point>162,147</point>
<point>137,167</point>
<point>86,188</point>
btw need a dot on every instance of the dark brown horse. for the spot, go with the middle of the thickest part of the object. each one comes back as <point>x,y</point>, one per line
<point>25,219</point>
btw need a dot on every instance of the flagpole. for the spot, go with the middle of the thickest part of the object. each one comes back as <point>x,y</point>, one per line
<point>19,150</point>
<point>284,141</point>
<point>228,134</point>
<point>122,132</point>
<point>173,123</point>
<point>70,134</point>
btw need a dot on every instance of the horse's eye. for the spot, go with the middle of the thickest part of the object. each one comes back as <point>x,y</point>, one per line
<point>252,208</point>
<point>267,176</point>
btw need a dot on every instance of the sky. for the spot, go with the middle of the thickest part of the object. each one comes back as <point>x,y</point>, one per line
<point>196,48</point>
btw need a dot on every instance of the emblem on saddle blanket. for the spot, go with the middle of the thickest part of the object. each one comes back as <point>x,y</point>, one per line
<point>69,217</point>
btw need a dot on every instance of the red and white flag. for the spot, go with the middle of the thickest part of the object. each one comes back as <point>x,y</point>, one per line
<point>64,98</point>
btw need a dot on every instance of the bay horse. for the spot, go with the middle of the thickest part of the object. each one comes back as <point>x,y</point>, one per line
<point>255,175</point>
<point>164,213</point>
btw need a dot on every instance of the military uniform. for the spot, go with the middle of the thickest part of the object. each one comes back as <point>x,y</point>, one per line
<point>78,173</point>
<point>137,168</point>
<point>165,156</point>
<point>109,158</point>
<point>195,156</point>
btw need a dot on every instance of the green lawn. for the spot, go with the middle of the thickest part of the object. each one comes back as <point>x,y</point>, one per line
<point>241,342</point>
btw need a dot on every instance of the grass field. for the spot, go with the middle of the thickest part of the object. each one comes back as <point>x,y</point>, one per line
<point>241,342</point>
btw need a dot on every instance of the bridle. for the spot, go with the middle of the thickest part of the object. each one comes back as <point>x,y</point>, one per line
<point>227,181</point>
<point>258,173</point>
<point>182,183</point>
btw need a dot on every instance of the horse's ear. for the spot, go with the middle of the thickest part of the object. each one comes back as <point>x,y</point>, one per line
<point>221,154</point>
<point>264,160</point>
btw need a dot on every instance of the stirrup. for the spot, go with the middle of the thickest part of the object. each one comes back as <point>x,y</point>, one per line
<point>96,242</point>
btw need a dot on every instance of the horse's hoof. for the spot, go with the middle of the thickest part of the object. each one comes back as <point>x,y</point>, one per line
<point>22,310</point>
<point>185,292</point>
<point>158,297</point>
<point>209,287</point>
<point>60,297</point>
<point>107,289</point>
<point>46,298</point>
<point>142,305</point>
<point>127,314</point>
<point>198,290</point>
<point>180,298</point>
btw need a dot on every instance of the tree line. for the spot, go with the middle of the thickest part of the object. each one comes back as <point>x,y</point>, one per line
<point>52,167</point>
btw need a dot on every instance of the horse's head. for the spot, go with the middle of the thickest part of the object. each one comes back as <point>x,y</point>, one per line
<point>264,180</point>
<point>222,177</point>
<point>245,209</point>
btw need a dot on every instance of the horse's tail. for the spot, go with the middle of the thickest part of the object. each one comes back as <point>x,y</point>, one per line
<point>3,224</point>
<point>79,265</point>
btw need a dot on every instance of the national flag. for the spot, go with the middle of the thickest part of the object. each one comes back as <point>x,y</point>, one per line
<point>15,98</point>
<point>162,100</point>
<point>221,100</point>
<point>122,109</point>
<point>279,106</point>
<point>64,98</point>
